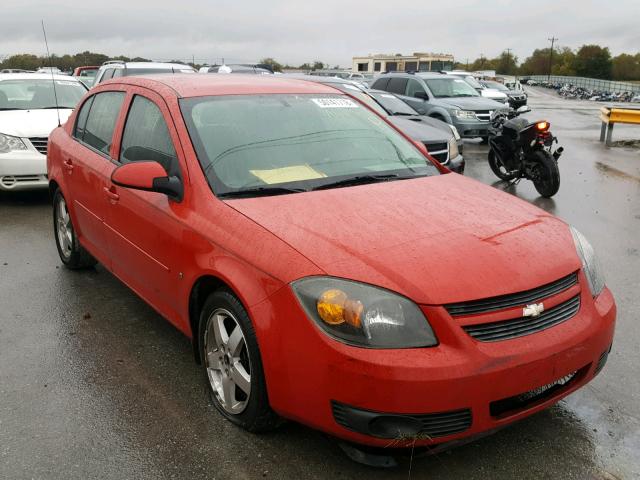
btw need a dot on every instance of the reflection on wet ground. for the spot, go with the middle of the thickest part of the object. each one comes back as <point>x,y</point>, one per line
<point>94,384</point>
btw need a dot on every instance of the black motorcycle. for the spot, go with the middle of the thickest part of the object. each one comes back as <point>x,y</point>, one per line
<point>521,149</point>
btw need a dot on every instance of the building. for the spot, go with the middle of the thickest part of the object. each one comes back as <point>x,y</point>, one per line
<point>418,62</point>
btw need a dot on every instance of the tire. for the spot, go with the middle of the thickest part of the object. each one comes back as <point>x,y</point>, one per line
<point>245,402</point>
<point>499,169</point>
<point>72,254</point>
<point>547,182</point>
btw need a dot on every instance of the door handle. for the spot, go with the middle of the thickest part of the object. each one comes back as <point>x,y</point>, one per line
<point>68,164</point>
<point>111,193</point>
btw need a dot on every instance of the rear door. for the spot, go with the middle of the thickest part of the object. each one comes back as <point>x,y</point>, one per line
<point>146,228</point>
<point>87,164</point>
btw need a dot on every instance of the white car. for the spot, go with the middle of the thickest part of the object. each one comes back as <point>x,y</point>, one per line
<point>490,93</point>
<point>28,114</point>
<point>118,68</point>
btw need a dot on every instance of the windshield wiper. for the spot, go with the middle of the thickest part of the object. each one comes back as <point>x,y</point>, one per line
<point>11,108</point>
<point>362,180</point>
<point>260,191</point>
<point>60,107</point>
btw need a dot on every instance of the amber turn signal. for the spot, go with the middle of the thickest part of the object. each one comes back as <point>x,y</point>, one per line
<point>335,308</point>
<point>542,126</point>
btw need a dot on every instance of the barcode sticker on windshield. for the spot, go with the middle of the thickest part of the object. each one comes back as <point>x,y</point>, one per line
<point>334,103</point>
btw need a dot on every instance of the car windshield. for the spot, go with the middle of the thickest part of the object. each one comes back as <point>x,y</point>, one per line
<point>450,87</point>
<point>33,94</point>
<point>393,104</point>
<point>252,145</point>
<point>496,86</point>
<point>88,73</point>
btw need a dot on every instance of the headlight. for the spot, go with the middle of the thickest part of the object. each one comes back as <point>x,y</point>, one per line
<point>9,143</point>
<point>363,315</point>
<point>468,114</point>
<point>455,132</point>
<point>590,264</point>
<point>453,148</point>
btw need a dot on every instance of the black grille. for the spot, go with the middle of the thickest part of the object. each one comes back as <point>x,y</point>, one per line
<point>510,405</point>
<point>439,151</point>
<point>495,331</point>
<point>602,361</point>
<point>513,299</point>
<point>40,144</point>
<point>432,424</point>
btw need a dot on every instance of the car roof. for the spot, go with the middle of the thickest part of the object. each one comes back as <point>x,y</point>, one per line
<point>149,65</point>
<point>37,76</point>
<point>188,85</point>
<point>416,74</point>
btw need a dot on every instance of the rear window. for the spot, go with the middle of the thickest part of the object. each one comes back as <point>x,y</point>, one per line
<point>98,132</point>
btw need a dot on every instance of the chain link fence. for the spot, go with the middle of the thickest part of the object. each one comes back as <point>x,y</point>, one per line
<point>588,83</point>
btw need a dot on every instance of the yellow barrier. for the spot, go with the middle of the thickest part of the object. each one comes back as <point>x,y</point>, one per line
<point>612,115</point>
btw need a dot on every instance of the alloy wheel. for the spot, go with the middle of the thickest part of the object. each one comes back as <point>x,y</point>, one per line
<point>64,228</point>
<point>227,361</point>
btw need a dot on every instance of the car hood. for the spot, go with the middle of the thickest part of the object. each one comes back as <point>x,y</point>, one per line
<point>493,93</point>
<point>472,103</point>
<point>417,128</point>
<point>31,123</point>
<point>437,240</point>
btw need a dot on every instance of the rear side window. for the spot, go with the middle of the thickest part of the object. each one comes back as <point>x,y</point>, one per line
<point>397,86</point>
<point>381,84</point>
<point>146,136</point>
<point>413,87</point>
<point>98,132</point>
<point>81,122</point>
<point>108,73</point>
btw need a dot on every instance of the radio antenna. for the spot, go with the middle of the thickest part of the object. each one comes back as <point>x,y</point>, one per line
<point>53,81</point>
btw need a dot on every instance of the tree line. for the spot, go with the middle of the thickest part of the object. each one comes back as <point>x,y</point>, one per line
<point>591,61</point>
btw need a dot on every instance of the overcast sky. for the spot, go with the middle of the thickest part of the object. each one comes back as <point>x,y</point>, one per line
<point>297,31</point>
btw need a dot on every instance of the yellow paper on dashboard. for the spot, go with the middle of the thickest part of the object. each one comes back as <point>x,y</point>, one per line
<point>295,173</point>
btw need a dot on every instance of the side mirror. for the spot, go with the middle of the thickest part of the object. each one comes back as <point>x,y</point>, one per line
<point>422,95</point>
<point>149,176</point>
<point>523,109</point>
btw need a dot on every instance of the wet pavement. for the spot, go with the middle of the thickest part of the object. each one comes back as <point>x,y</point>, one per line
<point>94,384</point>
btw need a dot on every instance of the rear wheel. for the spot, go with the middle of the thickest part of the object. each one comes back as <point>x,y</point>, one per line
<point>232,364</point>
<point>72,254</point>
<point>498,168</point>
<point>547,175</point>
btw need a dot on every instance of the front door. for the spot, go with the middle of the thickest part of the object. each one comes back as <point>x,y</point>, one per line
<point>145,228</point>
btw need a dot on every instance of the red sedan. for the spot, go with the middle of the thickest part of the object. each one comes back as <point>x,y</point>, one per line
<point>327,270</point>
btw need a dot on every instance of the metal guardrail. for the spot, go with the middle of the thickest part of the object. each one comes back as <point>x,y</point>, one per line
<point>588,83</point>
<point>612,115</point>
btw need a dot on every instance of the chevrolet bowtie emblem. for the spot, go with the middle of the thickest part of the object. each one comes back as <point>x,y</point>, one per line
<point>533,310</point>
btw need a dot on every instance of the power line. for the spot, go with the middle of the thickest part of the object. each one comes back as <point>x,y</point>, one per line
<point>552,40</point>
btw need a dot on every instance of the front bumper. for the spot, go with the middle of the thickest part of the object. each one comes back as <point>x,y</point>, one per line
<point>517,102</point>
<point>456,164</point>
<point>471,128</point>
<point>308,373</point>
<point>23,170</point>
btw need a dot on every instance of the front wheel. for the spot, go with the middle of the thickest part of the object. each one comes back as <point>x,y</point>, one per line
<point>547,175</point>
<point>232,363</point>
<point>498,168</point>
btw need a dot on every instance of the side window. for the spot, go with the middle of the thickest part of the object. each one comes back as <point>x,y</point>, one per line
<point>146,136</point>
<point>102,120</point>
<point>414,86</point>
<point>117,72</point>
<point>381,84</point>
<point>397,85</point>
<point>108,73</point>
<point>81,121</point>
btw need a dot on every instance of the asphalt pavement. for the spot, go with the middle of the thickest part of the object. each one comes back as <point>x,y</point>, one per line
<point>94,384</point>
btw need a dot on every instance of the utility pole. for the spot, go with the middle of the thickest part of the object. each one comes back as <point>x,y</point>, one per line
<point>467,64</point>
<point>508,50</point>
<point>482,60</point>
<point>552,40</point>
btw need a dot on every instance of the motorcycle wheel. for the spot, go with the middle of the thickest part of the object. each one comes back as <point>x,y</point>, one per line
<point>498,168</point>
<point>547,182</point>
